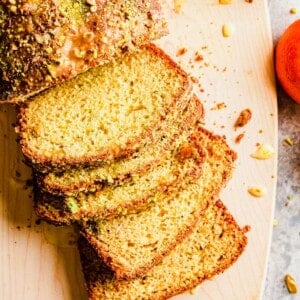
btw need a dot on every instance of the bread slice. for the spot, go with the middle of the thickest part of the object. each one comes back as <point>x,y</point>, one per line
<point>182,165</point>
<point>133,243</point>
<point>46,42</point>
<point>214,245</point>
<point>106,113</point>
<point>88,179</point>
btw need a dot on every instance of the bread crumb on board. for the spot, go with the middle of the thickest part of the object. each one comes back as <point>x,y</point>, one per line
<point>219,106</point>
<point>243,118</point>
<point>198,56</point>
<point>181,51</point>
<point>239,137</point>
<point>178,5</point>
<point>225,1</point>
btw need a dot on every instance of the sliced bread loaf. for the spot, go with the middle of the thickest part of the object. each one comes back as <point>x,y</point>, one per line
<point>106,113</point>
<point>182,165</point>
<point>132,243</point>
<point>218,162</point>
<point>214,245</point>
<point>88,179</point>
<point>46,42</point>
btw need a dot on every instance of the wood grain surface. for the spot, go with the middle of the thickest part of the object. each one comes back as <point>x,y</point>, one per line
<point>39,261</point>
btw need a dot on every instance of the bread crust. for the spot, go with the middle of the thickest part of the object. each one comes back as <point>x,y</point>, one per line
<point>48,42</point>
<point>47,163</point>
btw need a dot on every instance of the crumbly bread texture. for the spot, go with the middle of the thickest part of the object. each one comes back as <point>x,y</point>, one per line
<point>132,243</point>
<point>88,179</point>
<point>106,113</point>
<point>43,43</point>
<point>183,165</point>
<point>214,245</point>
<point>218,162</point>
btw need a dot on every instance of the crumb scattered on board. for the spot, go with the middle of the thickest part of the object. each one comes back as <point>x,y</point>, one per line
<point>198,56</point>
<point>181,51</point>
<point>219,106</point>
<point>178,5</point>
<point>243,118</point>
<point>239,137</point>
<point>225,1</point>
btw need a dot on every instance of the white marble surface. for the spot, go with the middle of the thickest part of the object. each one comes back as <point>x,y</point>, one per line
<point>285,248</point>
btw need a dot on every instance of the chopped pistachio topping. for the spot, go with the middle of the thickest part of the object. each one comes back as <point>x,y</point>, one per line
<point>72,204</point>
<point>74,10</point>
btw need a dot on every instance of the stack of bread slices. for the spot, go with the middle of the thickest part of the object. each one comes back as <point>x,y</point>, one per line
<point>119,151</point>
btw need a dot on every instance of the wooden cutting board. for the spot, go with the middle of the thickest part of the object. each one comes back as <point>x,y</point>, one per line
<point>39,261</point>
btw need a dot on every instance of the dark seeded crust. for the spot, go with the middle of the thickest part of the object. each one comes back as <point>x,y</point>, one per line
<point>101,281</point>
<point>54,209</point>
<point>33,38</point>
<point>184,120</point>
<point>49,163</point>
